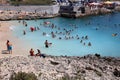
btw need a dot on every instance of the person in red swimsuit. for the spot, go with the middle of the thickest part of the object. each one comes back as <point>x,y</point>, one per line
<point>31,52</point>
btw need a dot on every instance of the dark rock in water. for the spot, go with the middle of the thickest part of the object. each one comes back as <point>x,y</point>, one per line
<point>97,55</point>
<point>54,63</point>
<point>116,72</point>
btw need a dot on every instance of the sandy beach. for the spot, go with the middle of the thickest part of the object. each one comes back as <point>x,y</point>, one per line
<point>6,34</point>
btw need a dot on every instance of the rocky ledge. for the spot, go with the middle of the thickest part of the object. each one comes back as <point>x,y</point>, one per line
<point>15,15</point>
<point>89,67</point>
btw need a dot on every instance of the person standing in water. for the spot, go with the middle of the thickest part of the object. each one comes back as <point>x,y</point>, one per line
<point>46,44</point>
<point>24,32</point>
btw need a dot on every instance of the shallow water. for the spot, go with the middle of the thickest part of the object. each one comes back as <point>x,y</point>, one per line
<point>101,39</point>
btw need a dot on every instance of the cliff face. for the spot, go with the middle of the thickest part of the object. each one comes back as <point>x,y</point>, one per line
<point>3,1</point>
<point>89,67</point>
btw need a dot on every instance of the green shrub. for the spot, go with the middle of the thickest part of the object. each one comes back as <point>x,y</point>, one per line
<point>32,2</point>
<point>98,73</point>
<point>23,76</point>
<point>77,77</point>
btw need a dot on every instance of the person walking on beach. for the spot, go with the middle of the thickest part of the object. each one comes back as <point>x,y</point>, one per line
<point>9,47</point>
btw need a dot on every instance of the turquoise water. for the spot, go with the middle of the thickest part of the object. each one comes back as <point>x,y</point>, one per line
<point>99,30</point>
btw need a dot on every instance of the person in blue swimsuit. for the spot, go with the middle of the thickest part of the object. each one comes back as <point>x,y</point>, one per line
<point>9,47</point>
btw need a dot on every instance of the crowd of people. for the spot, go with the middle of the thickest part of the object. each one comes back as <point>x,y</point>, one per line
<point>65,34</point>
<point>58,32</point>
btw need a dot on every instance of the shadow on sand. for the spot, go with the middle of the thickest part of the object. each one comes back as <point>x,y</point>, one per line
<point>5,52</point>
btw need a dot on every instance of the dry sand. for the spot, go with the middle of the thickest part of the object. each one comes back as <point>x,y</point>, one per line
<point>18,45</point>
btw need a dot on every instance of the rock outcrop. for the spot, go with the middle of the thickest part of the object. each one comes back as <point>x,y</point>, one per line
<point>90,67</point>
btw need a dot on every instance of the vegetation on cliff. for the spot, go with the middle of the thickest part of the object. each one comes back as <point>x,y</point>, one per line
<point>31,2</point>
<point>23,76</point>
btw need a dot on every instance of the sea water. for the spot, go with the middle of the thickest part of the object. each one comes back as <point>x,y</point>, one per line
<point>99,30</point>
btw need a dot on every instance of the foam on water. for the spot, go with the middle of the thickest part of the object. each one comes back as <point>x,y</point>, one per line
<point>102,40</point>
<point>12,28</point>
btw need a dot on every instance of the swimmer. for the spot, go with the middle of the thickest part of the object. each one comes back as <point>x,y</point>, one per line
<point>38,28</point>
<point>47,44</point>
<point>89,44</point>
<point>72,37</point>
<point>60,32</point>
<point>44,33</point>
<point>24,32</point>
<point>32,29</point>
<point>114,34</point>
<point>86,37</point>
<point>76,35</point>
<point>26,25</point>
<point>52,32</point>
<point>53,35</point>
<point>19,21</point>
<point>82,37</point>
<point>60,38</point>
<point>69,37</point>
<point>35,29</point>
<point>78,38</point>
<point>58,28</point>
<point>84,43</point>
<point>56,32</point>
<point>81,41</point>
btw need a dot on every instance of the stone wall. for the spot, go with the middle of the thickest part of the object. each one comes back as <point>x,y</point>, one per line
<point>49,9</point>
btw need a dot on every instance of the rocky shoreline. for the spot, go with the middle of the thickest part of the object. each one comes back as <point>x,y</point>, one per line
<point>8,15</point>
<point>89,67</point>
<point>44,12</point>
<point>28,12</point>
